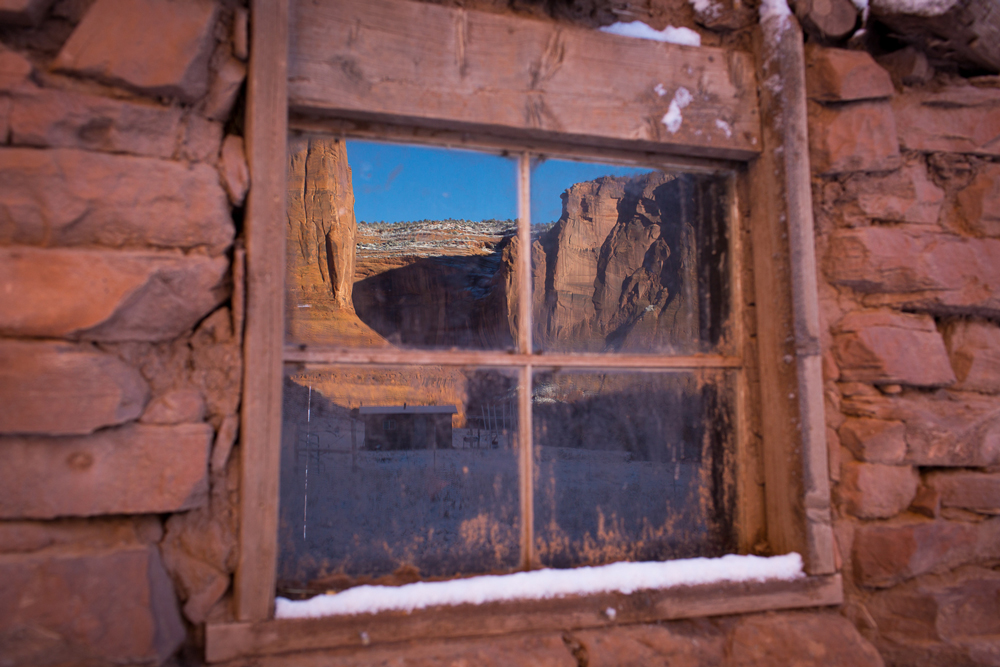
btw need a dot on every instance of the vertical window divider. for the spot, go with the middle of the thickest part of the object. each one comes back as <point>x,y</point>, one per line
<point>524,346</point>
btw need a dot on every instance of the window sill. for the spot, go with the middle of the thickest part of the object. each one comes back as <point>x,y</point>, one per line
<point>227,641</point>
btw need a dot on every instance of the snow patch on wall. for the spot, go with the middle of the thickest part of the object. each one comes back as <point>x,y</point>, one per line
<point>640,30</point>
<point>706,8</point>
<point>545,584</point>
<point>673,119</point>
<point>724,126</point>
<point>769,8</point>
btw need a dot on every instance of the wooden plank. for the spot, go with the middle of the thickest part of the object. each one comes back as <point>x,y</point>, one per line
<point>819,545</point>
<point>778,387</point>
<point>315,355</point>
<point>260,431</point>
<point>227,641</point>
<point>518,76</point>
<point>795,458</point>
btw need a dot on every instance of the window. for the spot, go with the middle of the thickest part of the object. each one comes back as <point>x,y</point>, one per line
<point>531,90</point>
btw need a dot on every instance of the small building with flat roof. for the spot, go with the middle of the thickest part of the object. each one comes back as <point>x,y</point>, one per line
<point>401,427</point>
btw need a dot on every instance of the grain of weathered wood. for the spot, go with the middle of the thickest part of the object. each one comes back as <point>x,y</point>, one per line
<point>520,76</point>
<point>779,402</point>
<point>805,304</point>
<point>389,356</point>
<point>266,137</point>
<point>233,640</point>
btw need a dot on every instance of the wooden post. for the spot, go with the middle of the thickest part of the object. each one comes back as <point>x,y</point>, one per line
<point>260,432</point>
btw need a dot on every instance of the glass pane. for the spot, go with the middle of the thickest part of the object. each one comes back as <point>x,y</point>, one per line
<point>392,245</point>
<point>390,475</point>
<point>628,259</point>
<point>632,466</point>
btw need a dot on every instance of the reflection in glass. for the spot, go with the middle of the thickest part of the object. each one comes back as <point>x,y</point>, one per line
<point>391,475</point>
<point>632,466</point>
<point>392,245</point>
<point>632,261</point>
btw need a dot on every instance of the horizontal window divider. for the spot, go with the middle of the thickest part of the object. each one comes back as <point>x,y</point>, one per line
<point>326,355</point>
<point>228,641</point>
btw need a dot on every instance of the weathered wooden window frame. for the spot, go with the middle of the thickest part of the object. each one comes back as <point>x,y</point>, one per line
<point>775,171</point>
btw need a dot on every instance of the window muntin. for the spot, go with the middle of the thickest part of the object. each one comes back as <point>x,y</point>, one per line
<point>526,517</point>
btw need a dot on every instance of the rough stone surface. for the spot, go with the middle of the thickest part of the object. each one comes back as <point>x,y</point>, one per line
<point>976,491</point>
<point>874,440</point>
<point>946,428</point>
<point>201,139</point>
<point>61,389</point>
<point>960,33</point>
<point>155,46</point>
<point>66,119</point>
<point>4,117</point>
<point>128,470</point>
<point>957,119</point>
<point>225,87</point>
<point>905,195</point>
<point>684,644</point>
<point>234,169</point>
<point>14,68</point>
<point>907,67</point>
<point>920,270</point>
<point>886,554</point>
<point>73,606</point>
<point>978,205</point>
<point>839,75</point>
<point>974,348</point>
<point>886,347</point>
<point>72,197</point>
<point>860,136</point>
<point>877,491</point>
<point>800,639</point>
<point>200,548</point>
<point>23,12</point>
<point>948,619</point>
<point>109,296</point>
<point>181,406</point>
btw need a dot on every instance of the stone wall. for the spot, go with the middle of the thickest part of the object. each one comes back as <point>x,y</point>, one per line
<point>906,190</point>
<point>122,179</point>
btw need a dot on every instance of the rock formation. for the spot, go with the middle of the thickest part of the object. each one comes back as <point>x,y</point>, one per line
<point>621,270</point>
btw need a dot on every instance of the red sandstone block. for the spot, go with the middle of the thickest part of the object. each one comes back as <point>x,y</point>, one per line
<point>978,205</point>
<point>874,440</point>
<point>155,46</point>
<point>919,270</point>
<point>87,606</point>
<point>223,90</point>
<point>66,119</point>
<point>888,553</point>
<point>129,470</point>
<point>71,197</point>
<point>877,491</point>
<point>234,170</point>
<point>935,613</point>
<point>14,68</point>
<point>651,645</point>
<point>976,491</point>
<point>106,295</point>
<point>889,347</point>
<point>974,348</point>
<point>946,428</point>
<point>860,136</point>
<point>905,195</point>
<point>181,406</point>
<point>61,389</point>
<point>839,75</point>
<point>23,12</point>
<point>957,119</point>
<point>804,639</point>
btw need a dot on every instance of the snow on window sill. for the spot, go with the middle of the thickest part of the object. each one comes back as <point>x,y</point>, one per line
<point>545,584</point>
